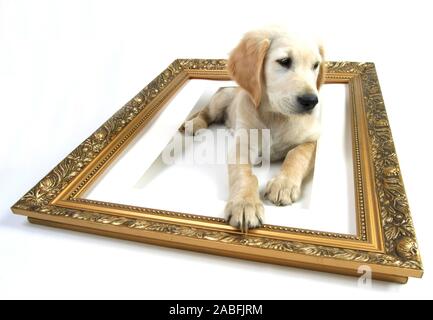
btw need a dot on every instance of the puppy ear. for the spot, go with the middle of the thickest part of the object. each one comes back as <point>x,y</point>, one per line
<point>322,69</point>
<point>245,64</point>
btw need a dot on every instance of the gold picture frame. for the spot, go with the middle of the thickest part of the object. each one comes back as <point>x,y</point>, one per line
<point>385,241</point>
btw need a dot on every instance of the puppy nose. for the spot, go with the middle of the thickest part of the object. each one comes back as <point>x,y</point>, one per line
<point>308,101</point>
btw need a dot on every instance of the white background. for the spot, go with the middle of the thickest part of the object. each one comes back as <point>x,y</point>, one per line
<point>65,67</point>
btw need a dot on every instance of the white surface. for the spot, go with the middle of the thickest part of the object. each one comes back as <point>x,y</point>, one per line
<point>66,67</point>
<point>140,177</point>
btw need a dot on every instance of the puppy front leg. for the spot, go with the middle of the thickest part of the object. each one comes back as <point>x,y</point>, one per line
<point>244,209</point>
<point>285,188</point>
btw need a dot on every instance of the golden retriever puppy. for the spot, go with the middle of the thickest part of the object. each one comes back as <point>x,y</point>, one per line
<point>279,76</point>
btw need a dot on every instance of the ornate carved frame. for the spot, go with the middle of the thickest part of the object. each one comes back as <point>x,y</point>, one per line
<point>385,240</point>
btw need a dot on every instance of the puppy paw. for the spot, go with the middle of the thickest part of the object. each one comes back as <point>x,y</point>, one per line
<point>190,127</point>
<point>282,191</point>
<point>245,213</point>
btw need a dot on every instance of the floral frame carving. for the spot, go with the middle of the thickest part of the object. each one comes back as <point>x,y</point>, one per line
<point>386,240</point>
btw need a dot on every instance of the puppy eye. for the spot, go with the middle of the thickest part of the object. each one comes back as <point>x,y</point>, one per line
<point>285,62</point>
<point>316,65</point>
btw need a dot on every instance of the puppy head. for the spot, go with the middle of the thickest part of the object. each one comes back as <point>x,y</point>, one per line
<point>285,69</point>
<point>294,71</point>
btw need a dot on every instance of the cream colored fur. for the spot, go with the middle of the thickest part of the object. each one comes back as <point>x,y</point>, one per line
<point>267,99</point>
